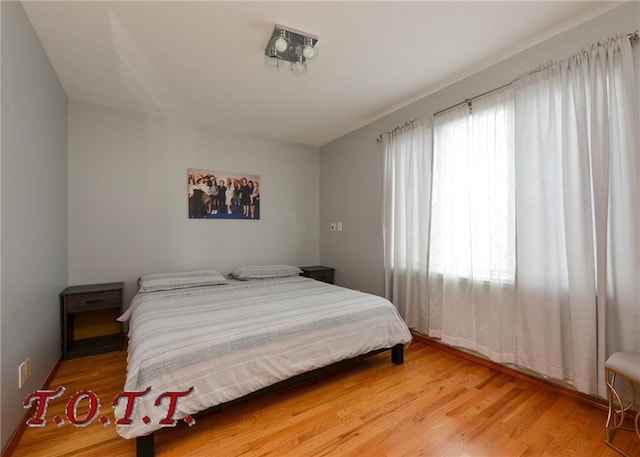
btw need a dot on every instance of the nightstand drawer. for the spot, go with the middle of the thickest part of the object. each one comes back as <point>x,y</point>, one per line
<point>319,273</point>
<point>93,302</point>
<point>325,276</point>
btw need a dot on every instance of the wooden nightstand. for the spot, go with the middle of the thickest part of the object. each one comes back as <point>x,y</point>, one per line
<point>319,272</point>
<point>88,316</point>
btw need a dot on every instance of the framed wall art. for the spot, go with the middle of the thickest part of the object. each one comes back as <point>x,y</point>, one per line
<point>223,195</point>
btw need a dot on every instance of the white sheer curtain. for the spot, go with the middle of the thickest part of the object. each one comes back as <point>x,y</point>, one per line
<point>578,211</point>
<point>472,258</point>
<point>407,184</point>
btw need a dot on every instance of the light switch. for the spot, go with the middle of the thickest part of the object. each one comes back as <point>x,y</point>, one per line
<point>332,227</point>
<point>339,226</point>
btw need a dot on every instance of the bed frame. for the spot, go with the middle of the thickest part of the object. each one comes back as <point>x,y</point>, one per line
<point>145,445</point>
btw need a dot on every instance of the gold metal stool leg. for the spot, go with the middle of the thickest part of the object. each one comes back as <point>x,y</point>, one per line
<point>618,410</point>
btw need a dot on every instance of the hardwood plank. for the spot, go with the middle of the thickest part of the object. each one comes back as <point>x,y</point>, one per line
<point>436,404</point>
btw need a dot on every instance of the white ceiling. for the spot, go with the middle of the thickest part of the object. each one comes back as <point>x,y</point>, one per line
<point>203,61</point>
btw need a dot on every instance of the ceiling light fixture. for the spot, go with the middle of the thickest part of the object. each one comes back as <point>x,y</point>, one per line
<point>290,45</point>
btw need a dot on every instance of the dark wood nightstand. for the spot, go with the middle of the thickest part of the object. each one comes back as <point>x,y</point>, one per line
<point>319,272</point>
<point>88,316</point>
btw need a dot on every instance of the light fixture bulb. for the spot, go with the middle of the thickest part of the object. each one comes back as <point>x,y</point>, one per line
<point>308,52</point>
<point>271,57</point>
<point>298,66</point>
<point>281,44</point>
<point>273,62</point>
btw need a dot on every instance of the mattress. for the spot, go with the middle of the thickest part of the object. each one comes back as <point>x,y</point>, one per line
<point>223,342</point>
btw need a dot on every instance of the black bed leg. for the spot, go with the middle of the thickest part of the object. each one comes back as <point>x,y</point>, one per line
<point>145,446</point>
<point>397,354</point>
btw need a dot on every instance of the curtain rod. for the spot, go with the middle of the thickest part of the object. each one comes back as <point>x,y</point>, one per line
<point>634,37</point>
<point>397,127</point>
<point>467,101</point>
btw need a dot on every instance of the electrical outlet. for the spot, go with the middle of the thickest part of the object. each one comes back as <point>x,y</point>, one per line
<point>332,227</point>
<point>22,375</point>
<point>24,372</point>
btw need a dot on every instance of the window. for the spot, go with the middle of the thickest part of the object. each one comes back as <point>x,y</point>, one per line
<point>473,214</point>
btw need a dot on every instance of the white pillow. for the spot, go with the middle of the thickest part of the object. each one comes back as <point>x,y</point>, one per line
<point>180,280</point>
<point>265,271</point>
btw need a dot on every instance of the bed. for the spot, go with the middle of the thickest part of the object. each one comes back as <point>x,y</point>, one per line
<point>225,341</point>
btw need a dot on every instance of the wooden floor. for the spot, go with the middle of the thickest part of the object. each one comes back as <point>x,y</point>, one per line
<point>434,405</point>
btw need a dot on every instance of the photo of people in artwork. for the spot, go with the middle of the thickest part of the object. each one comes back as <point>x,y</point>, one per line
<point>223,195</point>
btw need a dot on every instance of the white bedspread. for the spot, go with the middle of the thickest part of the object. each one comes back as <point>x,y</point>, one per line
<point>228,341</point>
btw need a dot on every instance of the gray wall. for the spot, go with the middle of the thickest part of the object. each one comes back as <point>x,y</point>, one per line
<point>351,167</point>
<point>128,198</point>
<point>33,213</point>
